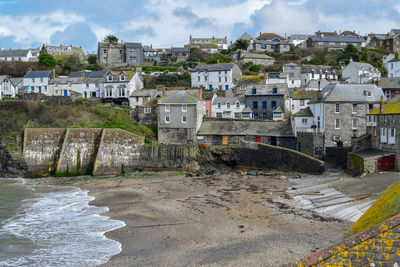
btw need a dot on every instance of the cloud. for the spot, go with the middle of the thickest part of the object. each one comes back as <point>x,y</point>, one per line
<point>78,34</point>
<point>191,18</point>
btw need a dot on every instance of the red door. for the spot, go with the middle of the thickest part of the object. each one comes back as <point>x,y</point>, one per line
<point>258,139</point>
<point>386,163</point>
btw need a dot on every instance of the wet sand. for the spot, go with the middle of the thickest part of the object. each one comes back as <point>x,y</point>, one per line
<point>230,219</point>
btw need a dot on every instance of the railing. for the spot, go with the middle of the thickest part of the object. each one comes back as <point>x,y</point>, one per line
<point>309,130</point>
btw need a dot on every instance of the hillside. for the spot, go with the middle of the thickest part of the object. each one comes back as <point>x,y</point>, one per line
<point>15,115</point>
<point>387,206</point>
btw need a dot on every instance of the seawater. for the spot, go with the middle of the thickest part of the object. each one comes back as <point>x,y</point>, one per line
<point>55,227</point>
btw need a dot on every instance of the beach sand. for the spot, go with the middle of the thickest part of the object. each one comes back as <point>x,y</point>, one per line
<point>227,219</point>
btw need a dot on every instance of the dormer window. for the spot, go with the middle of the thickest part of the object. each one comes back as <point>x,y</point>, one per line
<point>237,104</point>
<point>218,105</point>
<point>254,91</point>
<point>275,90</point>
<point>228,105</point>
<point>122,77</point>
<point>109,78</point>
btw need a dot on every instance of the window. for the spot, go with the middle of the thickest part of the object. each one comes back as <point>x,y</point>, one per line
<point>301,102</point>
<point>41,80</point>
<point>264,104</point>
<point>383,135</point>
<point>337,108</point>
<point>255,105</point>
<point>226,79</point>
<point>87,85</point>
<point>237,104</point>
<point>219,79</point>
<point>293,107</point>
<point>275,90</point>
<point>104,51</point>
<point>354,124</point>
<point>355,108</point>
<point>33,80</point>
<point>226,72</point>
<point>237,115</point>
<point>219,105</point>
<point>219,115</point>
<point>183,118</point>
<point>371,107</point>
<point>384,118</point>
<point>109,78</point>
<point>228,105</point>
<point>387,93</point>
<point>184,108</point>
<point>304,121</point>
<point>167,119</point>
<point>198,78</point>
<point>393,118</point>
<point>273,105</point>
<point>369,94</point>
<point>337,124</point>
<point>254,91</point>
<point>167,108</point>
<point>392,136</point>
<point>122,77</point>
<point>147,110</point>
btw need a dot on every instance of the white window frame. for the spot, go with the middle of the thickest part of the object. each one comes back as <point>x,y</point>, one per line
<point>184,119</point>
<point>184,108</point>
<point>167,119</point>
<point>219,105</point>
<point>304,121</point>
<point>147,110</point>
<point>167,108</point>
<point>228,105</point>
<point>354,124</point>
<point>337,125</point>
<point>237,104</point>
<point>383,135</point>
<point>354,108</point>
<point>392,136</point>
<point>302,102</point>
<point>337,108</point>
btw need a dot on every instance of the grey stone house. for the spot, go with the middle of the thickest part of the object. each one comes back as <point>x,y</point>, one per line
<point>120,54</point>
<point>263,100</point>
<point>180,117</point>
<point>358,72</point>
<point>340,111</point>
<point>181,53</point>
<point>390,87</point>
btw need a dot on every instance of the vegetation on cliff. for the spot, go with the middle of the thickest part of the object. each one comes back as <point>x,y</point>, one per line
<point>15,115</point>
<point>387,206</point>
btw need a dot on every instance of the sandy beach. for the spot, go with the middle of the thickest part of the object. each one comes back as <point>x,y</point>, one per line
<point>227,219</point>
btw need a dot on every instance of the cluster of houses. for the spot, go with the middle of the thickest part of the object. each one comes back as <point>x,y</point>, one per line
<point>309,108</point>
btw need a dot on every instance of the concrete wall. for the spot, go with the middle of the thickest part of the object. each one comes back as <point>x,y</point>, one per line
<point>79,150</point>
<point>41,148</point>
<point>118,150</point>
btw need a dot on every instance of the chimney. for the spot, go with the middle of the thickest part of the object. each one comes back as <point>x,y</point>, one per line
<point>381,105</point>
<point>200,93</point>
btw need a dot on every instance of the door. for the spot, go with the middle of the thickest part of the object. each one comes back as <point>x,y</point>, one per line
<point>258,139</point>
<point>65,92</point>
<point>264,116</point>
<point>225,140</point>
<point>226,87</point>
<point>273,140</point>
<point>85,93</point>
<point>386,163</point>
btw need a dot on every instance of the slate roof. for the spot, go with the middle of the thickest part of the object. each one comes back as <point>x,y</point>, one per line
<point>224,100</point>
<point>337,39</point>
<point>2,78</point>
<point>14,53</point>
<point>246,127</point>
<point>147,48</point>
<point>305,112</point>
<point>146,92</point>
<point>266,89</point>
<point>313,84</point>
<point>276,75</point>
<point>392,107</point>
<point>349,92</point>
<point>178,98</point>
<point>304,94</point>
<point>66,80</point>
<point>269,37</point>
<point>16,81</point>
<point>254,55</point>
<point>214,67</point>
<point>390,83</point>
<point>179,50</point>
<point>38,74</point>
<point>133,45</point>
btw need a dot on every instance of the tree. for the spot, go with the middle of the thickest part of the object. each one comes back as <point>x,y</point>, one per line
<point>92,59</point>
<point>111,39</point>
<point>47,60</point>
<point>241,44</point>
<point>219,58</point>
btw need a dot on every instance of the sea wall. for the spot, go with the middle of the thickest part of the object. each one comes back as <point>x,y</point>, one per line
<point>41,148</point>
<point>118,151</point>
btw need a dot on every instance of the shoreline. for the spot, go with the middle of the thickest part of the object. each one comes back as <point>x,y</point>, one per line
<point>227,219</point>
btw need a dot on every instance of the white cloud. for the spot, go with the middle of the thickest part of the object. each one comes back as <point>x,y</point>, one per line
<point>30,29</point>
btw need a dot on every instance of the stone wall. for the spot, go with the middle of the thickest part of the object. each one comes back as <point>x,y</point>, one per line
<point>278,158</point>
<point>361,143</point>
<point>79,150</point>
<point>138,116</point>
<point>41,148</point>
<point>118,151</point>
<point>311,144</point>
<point>337,156</point>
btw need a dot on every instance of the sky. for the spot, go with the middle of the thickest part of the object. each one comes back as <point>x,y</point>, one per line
<point>167,23</point>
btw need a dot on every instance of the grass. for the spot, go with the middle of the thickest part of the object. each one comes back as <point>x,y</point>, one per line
<point>387,206</point>
<point>15,115</point>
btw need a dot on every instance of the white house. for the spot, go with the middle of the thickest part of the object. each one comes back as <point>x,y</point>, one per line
<point>119,85</point>
<point>299,100</point>
<point>276,78</point>
<point>37,81</point>
<point>357,72</point>
<point>293,73</point>
<point>216,77</point>
<point>386,59</point>
<point>393,67</point>
<point>314,74</point>
<point>9,86</point>
<point>227,107</point>
<point>302,121</point>
<point>23,55</point>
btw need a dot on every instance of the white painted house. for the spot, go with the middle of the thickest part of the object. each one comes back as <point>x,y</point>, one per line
<point>119,85</point>
<point>276,78</point>
<point>357,72</point>
<point>23,55</point>
<point>293,73</point>
<point>9,86</point>
<point>227,107</point>
<point>393,67</point>
<point>37,81</point>
<point>299,100</point>
<point>316,74</point>
<point>216,77</point>
<point>302,121</point>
